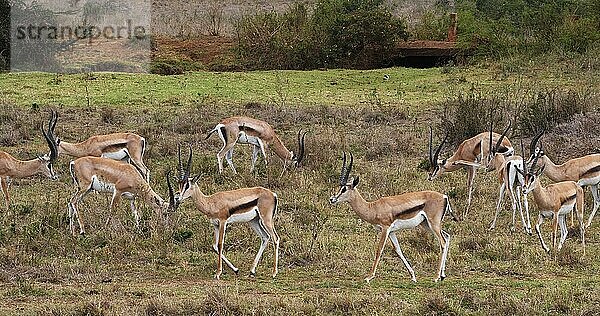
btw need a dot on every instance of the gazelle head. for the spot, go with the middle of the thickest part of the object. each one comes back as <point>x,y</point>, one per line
<point>532,173</point>
<point>495,151</point>
<point>438,166</point>
<point>297,158</point>
<point>49,158</point>
<point>347,186</point>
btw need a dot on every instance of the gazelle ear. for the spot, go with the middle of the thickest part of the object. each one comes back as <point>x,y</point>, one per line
<point>355,182</point>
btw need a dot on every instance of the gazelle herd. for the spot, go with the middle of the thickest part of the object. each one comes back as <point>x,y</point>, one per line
<point>114,164</point>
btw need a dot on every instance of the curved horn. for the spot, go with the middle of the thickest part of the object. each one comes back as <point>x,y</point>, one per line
<point>172,204</point>
<point>522,149</point>
<point>534,142</point>
<point>349,167</point>
<point>52,123</point>
<point>437,152</point>
<point>502,136</point>
<point>491,136</point>
<point>49,136</point>
<point>181,176</point>
<point>189,163</point>
<point>300,155</point>
<point>51,144</point>
<point>431,147</point>
<point>343,171</point>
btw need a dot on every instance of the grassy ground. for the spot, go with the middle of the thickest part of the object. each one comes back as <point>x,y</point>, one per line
<point>167,268</point>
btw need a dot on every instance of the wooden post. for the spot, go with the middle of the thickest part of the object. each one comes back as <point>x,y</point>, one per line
<point>452,28</point>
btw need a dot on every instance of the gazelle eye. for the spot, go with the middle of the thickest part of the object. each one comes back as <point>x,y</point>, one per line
<point>344,189</point>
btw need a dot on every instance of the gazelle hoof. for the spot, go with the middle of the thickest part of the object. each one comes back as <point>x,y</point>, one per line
<point>252,274</point>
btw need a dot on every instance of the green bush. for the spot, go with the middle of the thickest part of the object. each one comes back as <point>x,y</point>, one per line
<point>339,33</point>
<point>498,28</point>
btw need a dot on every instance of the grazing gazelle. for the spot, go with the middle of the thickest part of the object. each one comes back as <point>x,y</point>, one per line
<point>510,173</point>
<point>110,176</point>
<point>259,134</point>
<point>469,155</point>
<point>256,206</point>
<point>392,213</point>
<point>583,170</point>
<point>12,168</point>
<point>554,201</point>
<point>129,147</point>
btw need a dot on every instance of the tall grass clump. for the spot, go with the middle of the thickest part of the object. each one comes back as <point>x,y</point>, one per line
<point>467,115</point>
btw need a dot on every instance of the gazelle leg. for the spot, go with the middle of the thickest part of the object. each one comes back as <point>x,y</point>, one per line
<point>263,150</point>
<point>229,158</point>
<point>4,186</point>
<point>539,233</point>
<point>268,225</point>
<point>562,221</point>
<point>394,240</point>
<point>216,249</point>
<point>470,181</point>
<point>579,205</point>
<point>444,240</point>
<point>596,196</point>
<point>134,211</point>
<point>382,239</point>
<point>255,152</point>
<point>526,204</point>
<point>444,254</point>
<point>554,229</point>
<point>264,241</point>
<point>73,212</point>
<point>222,226</point>
<point>221,154</point>
<point>498,205</point>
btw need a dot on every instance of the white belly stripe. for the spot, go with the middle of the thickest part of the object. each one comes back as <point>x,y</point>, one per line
<point>243,217</point>
<point>243,138</point>
<point>117,155</point>
<point>408,223</point>
<point>100,186</point>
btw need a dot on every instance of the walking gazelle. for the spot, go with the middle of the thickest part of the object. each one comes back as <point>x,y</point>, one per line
<point>554,201</point>
<point>256,206</point>
<point>470,155</point>
<point>393,213</point>
<point>583,170</point>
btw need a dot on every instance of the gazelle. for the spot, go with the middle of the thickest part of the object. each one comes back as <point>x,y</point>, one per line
<point>259,134</point>
<point>12,168</point>
<point>129,147</point>
<point>392,213</point>
<point>256,206</point>
<point>583,170</point>
<point>469,155</point>
<point>555,201</point>
<point>510,173</point>
<point>110,176</point>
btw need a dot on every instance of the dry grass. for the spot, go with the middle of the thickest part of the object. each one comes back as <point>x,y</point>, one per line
<point>167,268</point>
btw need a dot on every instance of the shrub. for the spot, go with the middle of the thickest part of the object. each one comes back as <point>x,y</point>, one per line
<point>339,33</point>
